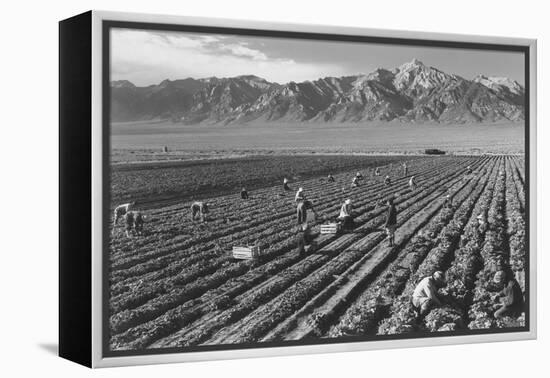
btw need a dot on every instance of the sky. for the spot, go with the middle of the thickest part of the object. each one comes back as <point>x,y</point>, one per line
<point>149,57</point>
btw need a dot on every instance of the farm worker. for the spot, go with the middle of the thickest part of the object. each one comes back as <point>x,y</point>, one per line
<point>511,297</point>
<point>469,170</point>
<point>199,208</point>
<point>304,238</point>
<point>480,220</point>
<point>138,222</point>
<point>359,176</point>
<point>244,193</point>
<point>425,294</point>
<point>448,201</point>
<point>300,196</point>
<point>121,210</point>
<point>354,182</point>
<point>330,178</point>
<point>387,180</point>
<point>412,183</point>
<point>405,169</point>
<point>377,171</point>
<point>345,215</point>
<point>285,184</point>
<point>129,221</point>
<point>391,221</point>
<point>301,210</point>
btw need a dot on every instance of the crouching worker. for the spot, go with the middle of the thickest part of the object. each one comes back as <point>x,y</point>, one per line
<point>199,208</point>
<point>345,216</point>
<point>511,297</point>
<point>330,178</point>
<point>244,193</point>
<point>305,238</point>
<point>425,294</point>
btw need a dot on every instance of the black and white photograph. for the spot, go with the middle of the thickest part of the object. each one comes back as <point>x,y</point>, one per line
<point>272,191</point>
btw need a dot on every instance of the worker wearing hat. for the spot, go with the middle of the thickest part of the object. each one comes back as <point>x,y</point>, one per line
<point>425,295</point>
<point>511,296</point>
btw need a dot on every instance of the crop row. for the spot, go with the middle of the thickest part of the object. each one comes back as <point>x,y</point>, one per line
<point>374,304</point>
<point>403,318</point>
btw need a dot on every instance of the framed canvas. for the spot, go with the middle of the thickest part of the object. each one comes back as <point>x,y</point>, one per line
<point>234,189</point>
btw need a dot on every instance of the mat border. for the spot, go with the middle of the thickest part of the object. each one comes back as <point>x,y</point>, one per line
<point>101,21</point>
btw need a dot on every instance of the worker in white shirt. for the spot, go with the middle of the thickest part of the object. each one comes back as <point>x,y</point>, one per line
<point>345,215</point>
<point>425,295</point>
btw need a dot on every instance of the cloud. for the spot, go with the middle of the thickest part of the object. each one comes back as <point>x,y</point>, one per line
<point>145,58</point>
<point>241,50</point>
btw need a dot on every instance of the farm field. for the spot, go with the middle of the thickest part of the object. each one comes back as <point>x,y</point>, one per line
<point>178,285</point>
<point>143,141</point>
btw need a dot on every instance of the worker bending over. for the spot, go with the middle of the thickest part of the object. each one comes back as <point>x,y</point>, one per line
<point>199,208</point>
<point>425,295</point>
<point>244,193</point>
<point>301,210</point>
<point>345,216</point>
<point>330,178</point>
<point>354,182</point>
<point>387,180</point>
<point>412,183</point>
<point>285,184</point>
<point>121,210</point>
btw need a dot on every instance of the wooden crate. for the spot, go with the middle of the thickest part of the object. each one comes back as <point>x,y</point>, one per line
<point>330,228</point>
<point>246,253</point>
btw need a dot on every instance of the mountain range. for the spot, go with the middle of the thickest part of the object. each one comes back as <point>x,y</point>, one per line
<point>412,92</point>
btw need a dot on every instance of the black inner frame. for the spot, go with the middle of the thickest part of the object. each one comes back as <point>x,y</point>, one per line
<point>107,25</point>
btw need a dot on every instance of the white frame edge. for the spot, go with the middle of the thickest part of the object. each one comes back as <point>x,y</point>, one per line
<point>97,186</point>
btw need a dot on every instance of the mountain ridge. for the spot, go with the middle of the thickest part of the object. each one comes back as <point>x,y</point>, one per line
<point>411,92</point>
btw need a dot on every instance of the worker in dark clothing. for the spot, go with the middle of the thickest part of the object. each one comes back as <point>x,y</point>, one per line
<point>305,238</point>
<point>244,193</point>
<point>359,176</point>
<point>301,210</point>
<point>448,201</point>
<point>285,184</point>
<point>391,222</point>
<point>199,208</point>
<point>129,222</point>
<point>469,170</point>
<point>330,178</point>
<point>139,219</point>
<point>511,297</point>
<point>387,180</point>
